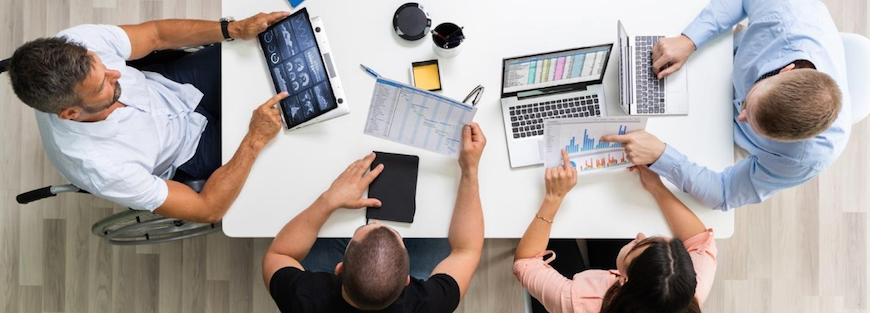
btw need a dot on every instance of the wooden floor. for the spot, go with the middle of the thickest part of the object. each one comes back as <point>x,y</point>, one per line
<point>804,250</point>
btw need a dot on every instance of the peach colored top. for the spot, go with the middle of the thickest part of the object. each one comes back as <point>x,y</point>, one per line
<point>585,292</point>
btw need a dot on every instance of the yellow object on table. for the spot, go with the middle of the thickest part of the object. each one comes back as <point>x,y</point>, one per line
<point>426,75</point>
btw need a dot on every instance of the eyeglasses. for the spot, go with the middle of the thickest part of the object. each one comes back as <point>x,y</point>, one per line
<point>477,93</point>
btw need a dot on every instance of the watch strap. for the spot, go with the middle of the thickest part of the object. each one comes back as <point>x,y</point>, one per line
<point>225,29</point>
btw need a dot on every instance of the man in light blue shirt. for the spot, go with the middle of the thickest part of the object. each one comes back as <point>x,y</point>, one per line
<point>790,112</point>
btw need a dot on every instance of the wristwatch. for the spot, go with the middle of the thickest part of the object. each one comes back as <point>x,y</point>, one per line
<point>225,22</point>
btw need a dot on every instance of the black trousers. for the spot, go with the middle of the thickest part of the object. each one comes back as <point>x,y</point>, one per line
<point>202,69</point>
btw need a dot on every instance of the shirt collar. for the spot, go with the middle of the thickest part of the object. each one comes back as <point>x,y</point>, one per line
<point>107,128</point>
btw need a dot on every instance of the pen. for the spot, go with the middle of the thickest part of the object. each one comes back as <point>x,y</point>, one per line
<point>370,71</point>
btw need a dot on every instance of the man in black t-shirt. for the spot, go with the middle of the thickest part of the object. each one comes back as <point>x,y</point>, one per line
<point>374,273</point>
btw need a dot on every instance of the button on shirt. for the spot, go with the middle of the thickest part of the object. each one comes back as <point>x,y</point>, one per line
<point>779,32</point>
<point>127,157</point>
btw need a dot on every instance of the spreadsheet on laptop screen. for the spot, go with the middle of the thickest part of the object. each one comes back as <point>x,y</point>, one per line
<point>554,69</point>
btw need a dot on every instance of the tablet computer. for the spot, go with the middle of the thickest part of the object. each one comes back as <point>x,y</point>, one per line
<point>300,62</point>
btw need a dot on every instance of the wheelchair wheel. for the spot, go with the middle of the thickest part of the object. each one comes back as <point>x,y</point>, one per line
<point>144,227</point>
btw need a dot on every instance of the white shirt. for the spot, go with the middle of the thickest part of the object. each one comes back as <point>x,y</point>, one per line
<point>127,157</point>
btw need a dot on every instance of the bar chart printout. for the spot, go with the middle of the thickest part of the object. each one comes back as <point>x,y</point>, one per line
<point>417,118</point>
<point>581,138</point>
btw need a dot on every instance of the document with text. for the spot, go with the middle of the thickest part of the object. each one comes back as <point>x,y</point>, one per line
<point>417,118</point>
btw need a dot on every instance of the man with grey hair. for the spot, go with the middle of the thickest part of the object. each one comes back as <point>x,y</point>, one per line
<point>123,134</point>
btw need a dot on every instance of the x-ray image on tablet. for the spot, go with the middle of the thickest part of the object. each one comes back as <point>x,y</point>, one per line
<point>296,65</point>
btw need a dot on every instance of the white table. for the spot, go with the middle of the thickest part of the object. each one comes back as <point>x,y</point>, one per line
<point>298,166</point>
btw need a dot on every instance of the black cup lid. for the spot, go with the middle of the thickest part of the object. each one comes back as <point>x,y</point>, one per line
<point>411,22</point>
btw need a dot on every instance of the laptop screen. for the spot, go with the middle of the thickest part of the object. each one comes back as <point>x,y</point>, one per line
<point>555,69</point>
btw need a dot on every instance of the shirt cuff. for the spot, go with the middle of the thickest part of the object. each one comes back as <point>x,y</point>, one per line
<point>697,34</point>
<point>700,241</point>
<point>162,193</point>
<point>667,163</point>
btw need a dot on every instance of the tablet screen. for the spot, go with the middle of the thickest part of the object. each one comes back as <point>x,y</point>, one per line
<point>296,66</point>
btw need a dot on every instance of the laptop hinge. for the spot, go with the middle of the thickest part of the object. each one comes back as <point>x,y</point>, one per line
<point>538,93</point>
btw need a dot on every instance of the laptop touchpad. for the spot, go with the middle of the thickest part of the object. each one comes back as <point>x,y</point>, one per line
<point>677,81</point>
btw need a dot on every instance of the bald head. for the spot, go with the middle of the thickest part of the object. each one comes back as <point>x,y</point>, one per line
<point>375,267</point>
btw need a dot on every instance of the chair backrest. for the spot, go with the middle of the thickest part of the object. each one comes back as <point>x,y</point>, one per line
<point>857,50</point>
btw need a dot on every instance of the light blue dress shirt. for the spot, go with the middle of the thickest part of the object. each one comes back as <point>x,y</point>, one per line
<point>779,32</point>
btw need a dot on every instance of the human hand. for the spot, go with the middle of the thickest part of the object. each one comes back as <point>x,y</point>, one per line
<point>670,54</point>
<point>346,191</point>
<point>560,179</point>
<point>251,27</point>
<point>266,121</point>
<point>473,142</point>
<point>641,147</point>
<point>649,179</point>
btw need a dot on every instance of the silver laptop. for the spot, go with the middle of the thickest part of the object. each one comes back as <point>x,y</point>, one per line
<point>640,91</point>
<point>557,84</point>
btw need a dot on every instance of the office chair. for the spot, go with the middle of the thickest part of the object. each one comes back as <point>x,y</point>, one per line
<point>133,227</point>
<point>857,50</point>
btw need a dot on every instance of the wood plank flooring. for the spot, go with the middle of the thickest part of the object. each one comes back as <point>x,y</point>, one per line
<point>804,250</point>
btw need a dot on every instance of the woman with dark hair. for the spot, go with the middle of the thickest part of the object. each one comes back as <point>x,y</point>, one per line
<point>653,274</point>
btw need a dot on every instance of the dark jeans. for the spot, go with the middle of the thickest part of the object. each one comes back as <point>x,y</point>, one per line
<point>424,253</point>
<point>202,69</point>
<point>602,255</point>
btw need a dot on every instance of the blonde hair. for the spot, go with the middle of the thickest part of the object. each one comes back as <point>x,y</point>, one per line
<point>799,105</point>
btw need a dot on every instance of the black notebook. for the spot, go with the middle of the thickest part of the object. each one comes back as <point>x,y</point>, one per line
<point>396,187</point>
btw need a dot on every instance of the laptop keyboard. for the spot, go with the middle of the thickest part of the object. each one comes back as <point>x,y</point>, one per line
<point>650,90</point>
<point>527,120</point>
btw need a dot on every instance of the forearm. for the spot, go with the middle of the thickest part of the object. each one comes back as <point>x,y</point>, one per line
<point>466,226</point>
<point>225,184</point>
<point>682,221</point>
<point>538,233</point>
<point>174,33</point>
<point>297,237</point>
<point>704,184</point>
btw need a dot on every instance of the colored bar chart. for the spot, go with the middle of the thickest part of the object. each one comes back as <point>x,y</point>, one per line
<point>597,162</point>
<point>581,139</point>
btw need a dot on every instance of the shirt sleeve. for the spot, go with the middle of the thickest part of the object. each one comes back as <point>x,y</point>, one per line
<point>283,285</point>
<point>109,39</point>
<point>702,249</point>
<point>443,293</point>
<point>718,16</point>
<point>131,186</point>
<point>751,180</point>
<point>544,283</point>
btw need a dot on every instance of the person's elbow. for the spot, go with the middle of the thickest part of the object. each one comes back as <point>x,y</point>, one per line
<point>211,218</point>
<point>193,208</point>
<point>203,216</point>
